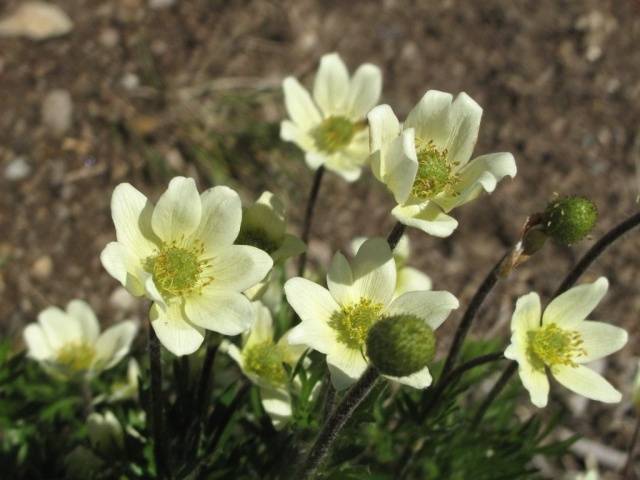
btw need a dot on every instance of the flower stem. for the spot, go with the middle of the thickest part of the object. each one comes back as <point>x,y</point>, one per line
<point>628,472</point>
<point>572,277</point>
<point>87,397</point>
<point>308,217</point>
<point>395,235</point>
<point>157,407</point>
<point>352,399</point>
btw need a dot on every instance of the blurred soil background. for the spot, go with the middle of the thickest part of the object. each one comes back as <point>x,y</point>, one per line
<point>141,90</point>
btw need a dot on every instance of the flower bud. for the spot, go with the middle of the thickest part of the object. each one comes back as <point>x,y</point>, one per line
<point>105,432</point>
<point>569,219</point>
<point>400,345</point>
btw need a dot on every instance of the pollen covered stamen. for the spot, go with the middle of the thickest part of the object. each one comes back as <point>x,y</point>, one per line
<point>77,356</point>
<point>435,171</point>
<point>178,270</point>
<point>552,345</point>
<point>352,322</point>
<point>334,133</point>
<point>265,359</point>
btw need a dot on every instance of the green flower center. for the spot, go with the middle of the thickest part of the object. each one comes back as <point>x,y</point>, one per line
<point>76,356</point>
<point>552,345</point>
<point>178,271</point>
<point>435,172</point>
<point>265,360</point>
<point>257,237</point>
<point>352,322</point>
<point>334,133</point>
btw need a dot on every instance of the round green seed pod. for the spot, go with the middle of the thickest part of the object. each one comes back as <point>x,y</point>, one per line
<point>569,219</point>
<point>400,345</point>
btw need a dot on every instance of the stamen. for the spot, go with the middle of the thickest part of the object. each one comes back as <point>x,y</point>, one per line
<point>352,322</point>
<point>334,133</point>
<point>435,172</point>
<point>76,356</point>
<point>552,345</point>
<point>265,360</point>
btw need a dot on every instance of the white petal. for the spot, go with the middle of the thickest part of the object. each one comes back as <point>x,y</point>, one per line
<point>340,280</point>
<point>291,132</point>
<point>315,160</point>
<point>221,217</point>
<point>37,343</point>
<point>600,339</point>
<point>402,251</point>
<point>124,267</point>
<point>86,318</point>
<point>431,118</point>
<point>573,306</point>
<point>536,383</point>
<point>432,306</point>
<point>292,353</point>
<point>223,311</point>
<point>59,328</point>
<point>234,352</point>
<point>277,404</point>
<point>331,85</point>
<point>262,326</point>
<point>465,124</point>
<point>526,316</point>
<point>374,271</point>
<point>420,380</point>
<point>291,246</point>
<point>426,217</point>
<point>310,301</point>
<point>411,280</point>
<point>349,174</point>
<point>586,382</point>
<point>346,366</point>
<point>481,174</point>
<point>175,333</point>
<point>131,212</point>
<point>299,105</point>
<point>178,211</point>
<point>400,165</point>
<point>383,128</point>
<point>313,334</point>
<point>364,90</point>
<point>114,344</point>
<point>238,267</point>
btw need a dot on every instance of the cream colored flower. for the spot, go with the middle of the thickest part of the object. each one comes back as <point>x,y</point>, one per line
<point>425,162</point>
<point>129,389</point>
<point>408,279</point>
<point>69,342</point>
<point>336,321</point>
<point>262,360</point>
<point>180,253</point>
<point>331,126</point>
<point>561,341</point>
<point>264,226</point>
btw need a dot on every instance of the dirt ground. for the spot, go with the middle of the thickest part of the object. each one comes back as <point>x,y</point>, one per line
<point>192,87</point>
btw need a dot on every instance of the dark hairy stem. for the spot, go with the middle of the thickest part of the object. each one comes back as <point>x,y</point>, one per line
<point>628,473</point>
<point>395,235</point>
<point>205,377</point>
<point>157,407</point>
<point>352,399</point>
<point>495,390</point>
<point>308,217</point>
<point>572,277</point>
<point>596,250</point>
<point>465,324</point>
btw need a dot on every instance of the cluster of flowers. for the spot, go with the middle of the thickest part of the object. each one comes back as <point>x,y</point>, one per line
<point>205,262</point>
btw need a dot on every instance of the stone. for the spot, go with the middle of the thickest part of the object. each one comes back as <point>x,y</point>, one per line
<point>57,111</point>
<point>17,170</point>
<point>42,267</point>
<point>37,21</point>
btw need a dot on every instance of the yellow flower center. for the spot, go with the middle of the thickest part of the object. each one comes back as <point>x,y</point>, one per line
<point>435,172</point>
<point>334,133</point>
<point>77,356</point>
<point>265,360</point>
<point>552,345</point>
<point>257,237</point>
<point>178,271</point>
<point>352,322</point>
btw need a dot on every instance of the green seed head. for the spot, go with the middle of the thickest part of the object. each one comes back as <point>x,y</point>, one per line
<point>352,322</point>
<point>333,134</point>
<point>435,172</point>
<point>265,360</point>
<point>401,345</point>
<point>569,219</point>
